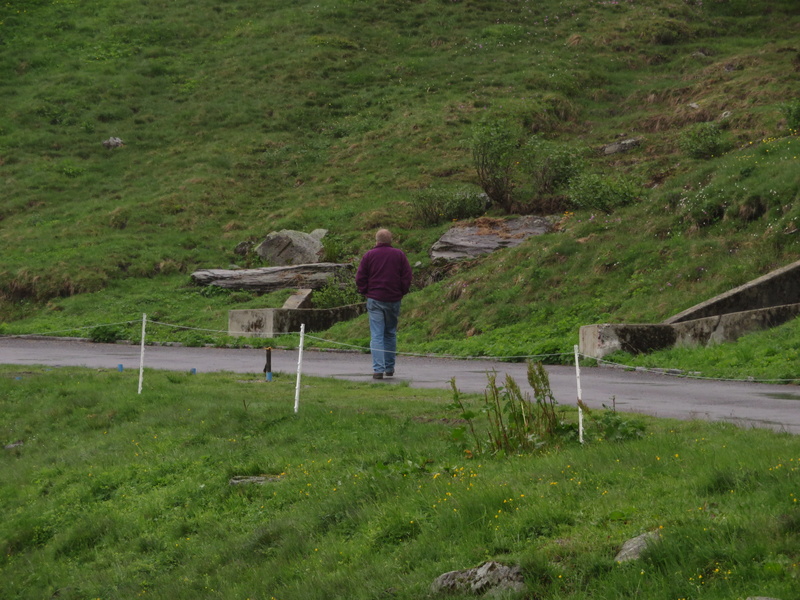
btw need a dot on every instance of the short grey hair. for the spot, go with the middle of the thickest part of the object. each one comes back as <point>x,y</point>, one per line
<point>383,236</point>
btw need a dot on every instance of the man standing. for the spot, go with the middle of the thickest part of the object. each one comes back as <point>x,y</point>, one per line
<point>384,277</point>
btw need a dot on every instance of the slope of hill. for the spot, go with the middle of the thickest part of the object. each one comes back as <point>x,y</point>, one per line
<point>240,118</point>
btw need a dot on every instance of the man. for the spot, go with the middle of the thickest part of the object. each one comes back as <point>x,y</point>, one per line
<point>384,277</point>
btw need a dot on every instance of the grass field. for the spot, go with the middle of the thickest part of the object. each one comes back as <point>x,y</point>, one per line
<point>369,494</point>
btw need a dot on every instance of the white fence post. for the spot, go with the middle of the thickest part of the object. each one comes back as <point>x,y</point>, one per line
<point>580,399</point>
<point>141,355</point>
<point>299,368</point>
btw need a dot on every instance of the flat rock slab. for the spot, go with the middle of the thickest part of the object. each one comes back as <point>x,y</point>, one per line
<point>485,235</point>
<point>268,279</point>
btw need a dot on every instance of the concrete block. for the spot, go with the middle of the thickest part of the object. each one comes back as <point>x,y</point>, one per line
<point>269,322</point>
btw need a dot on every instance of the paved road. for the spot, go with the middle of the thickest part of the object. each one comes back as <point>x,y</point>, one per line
<point>747,404</point>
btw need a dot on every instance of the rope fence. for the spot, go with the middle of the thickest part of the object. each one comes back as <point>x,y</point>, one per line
<point>365,349</point>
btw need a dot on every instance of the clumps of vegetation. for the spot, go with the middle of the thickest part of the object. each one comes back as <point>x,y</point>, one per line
<point>550,165</point>
<point>107,334</point>
<point>340,290</point>
<point>791,112</point>
<point>703,140</point>
<point>435,205</point>
<point>591,191</point>
<point>495,143</point>
<point>517,424</point>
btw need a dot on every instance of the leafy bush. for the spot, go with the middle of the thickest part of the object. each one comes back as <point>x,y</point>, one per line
<point>434,205</point>
<point>334,248</point>
<point>107,334</point>
<point>494,149</point>
<point>595,192</point>
<point>550,165</point>
<point>611,426</point>
<point>339,291</point>
<point>703,140</point>
<point>791,112</point>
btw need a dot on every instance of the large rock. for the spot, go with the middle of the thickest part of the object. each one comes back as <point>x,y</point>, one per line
<point>485,235</point>
<point>621,146</point>
<point>268,279</point>
<point>288,247</point>
<point>491,578</point>
<point>633,548</point>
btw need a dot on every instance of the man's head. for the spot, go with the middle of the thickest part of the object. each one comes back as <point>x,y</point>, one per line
<point>383,236</point>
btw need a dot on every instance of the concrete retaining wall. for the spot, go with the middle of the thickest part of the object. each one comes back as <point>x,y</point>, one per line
<point>762,303</point>
<point>269,322</point>
<point>600,340</point>
<point>777,288</point>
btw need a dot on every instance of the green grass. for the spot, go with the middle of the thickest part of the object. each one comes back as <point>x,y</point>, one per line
<point>248,118</point>
<point>119,495</point>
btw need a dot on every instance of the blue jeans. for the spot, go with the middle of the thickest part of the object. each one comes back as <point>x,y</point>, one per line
<point>383,333</point>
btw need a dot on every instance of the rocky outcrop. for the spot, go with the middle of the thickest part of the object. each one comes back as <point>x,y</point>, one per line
<point>288,247</point>
<point>486,235</point>
<point>621,146</point>
<point>491,578</point>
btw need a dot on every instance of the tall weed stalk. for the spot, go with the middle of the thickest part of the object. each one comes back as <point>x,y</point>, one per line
<point>514,422</point>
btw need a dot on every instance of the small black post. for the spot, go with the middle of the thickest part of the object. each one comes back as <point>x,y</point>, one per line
<point>268,366</point>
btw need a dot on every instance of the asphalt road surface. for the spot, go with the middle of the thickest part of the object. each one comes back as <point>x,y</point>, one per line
<point>746,404</point>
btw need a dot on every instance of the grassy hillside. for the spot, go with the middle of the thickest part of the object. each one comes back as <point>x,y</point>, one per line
<point>240,118</point>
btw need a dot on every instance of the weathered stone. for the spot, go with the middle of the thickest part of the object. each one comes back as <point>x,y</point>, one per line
<point>243,248</point>
<point>113,142</point>
<point>268,279</point>
<point>621,146</point>
<point>300,299</point>
<point>490,578</point>
<point>287,247</point>
<point>486,235</point>
<point>252,479</point>
<point>633,548</point>
<point>13,445</point>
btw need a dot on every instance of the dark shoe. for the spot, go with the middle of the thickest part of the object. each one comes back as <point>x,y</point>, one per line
<point>377,375</point>
<point>389,373</point>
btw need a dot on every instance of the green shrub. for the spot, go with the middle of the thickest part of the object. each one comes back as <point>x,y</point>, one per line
<point>550,165</point>
<point>334,248</point>
<point>107,334</point>
<point>703,140</point>
<point>595,192</point>
<point>339,291</point>
<point>434,205</point>
<point>791,112</point>
<point>495,143</point>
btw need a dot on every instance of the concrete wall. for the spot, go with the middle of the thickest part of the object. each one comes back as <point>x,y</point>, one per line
<point>762,303</point>
<point>777,288</point>
<point>269,322</point>
<point>600,340</point>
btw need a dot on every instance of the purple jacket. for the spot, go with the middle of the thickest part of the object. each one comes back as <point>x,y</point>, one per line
<point>384,274</point>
